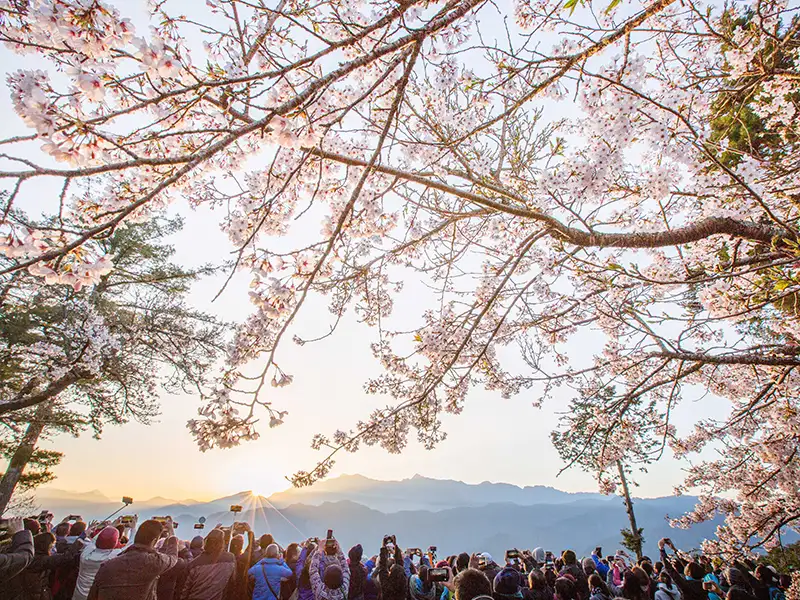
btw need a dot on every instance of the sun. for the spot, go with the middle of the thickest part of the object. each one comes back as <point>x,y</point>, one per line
<point>257,494</point>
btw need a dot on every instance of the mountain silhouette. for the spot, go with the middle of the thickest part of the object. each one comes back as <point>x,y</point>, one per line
<point>452,515</point>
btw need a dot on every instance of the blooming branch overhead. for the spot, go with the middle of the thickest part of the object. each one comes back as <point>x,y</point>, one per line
<point>630,169</point>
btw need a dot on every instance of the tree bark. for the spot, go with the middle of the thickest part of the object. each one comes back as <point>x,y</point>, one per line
<point>53,389</point>
<point>629,509</point>
<point>22,455</point>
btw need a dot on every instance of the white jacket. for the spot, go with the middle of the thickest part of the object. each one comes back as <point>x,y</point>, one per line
<point>667,592</point>
<point>91,559</point>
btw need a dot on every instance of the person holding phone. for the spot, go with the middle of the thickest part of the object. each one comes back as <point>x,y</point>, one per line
<point>330,573</point>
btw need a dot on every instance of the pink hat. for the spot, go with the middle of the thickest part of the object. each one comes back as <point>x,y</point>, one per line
<point>107,539</point>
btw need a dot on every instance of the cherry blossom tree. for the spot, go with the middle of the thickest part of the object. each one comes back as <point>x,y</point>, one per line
<point>628,168</point>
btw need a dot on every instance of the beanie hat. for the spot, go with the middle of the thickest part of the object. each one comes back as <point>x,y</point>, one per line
<point>506,583</point>
<point>107,539</point>
<point>569,557</point>
<point>355,553</point>
<point>333,577</point>
<point>539,555</point>
<point>442,564</point>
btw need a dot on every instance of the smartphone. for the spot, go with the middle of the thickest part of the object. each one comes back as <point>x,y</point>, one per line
<point>389,539</point>
<point>236,508</point>
<point>482,562</point>
<point>199,525</point>
<point>414,552</point>
<point>74,518</point>
<point>438,575</point>
<point>598,551</point>
<point>127,500</point>
<point>432,549</point>
<point>330,544</point>
<point>513,553</point>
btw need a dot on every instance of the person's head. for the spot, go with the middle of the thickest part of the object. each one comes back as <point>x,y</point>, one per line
<point>536,580</point>
<point>784,581</point>
<point>148,533</point>
<point>631,586</point>
<point>506,583</point>
<point>588,566</point>
<point>333,577</point>
<point>171,545</point>
<point>32,525</point>
<point>664,578</point>
<point>471,583</point>
<point>77,528</point>
<point>647,567</point>
<point>694,570</point>
<point>658,566</point>
<point>738,592</point>
<point>196,543</point>
<point>565,588</point>
<point>107,539</point>
<point>396,584</point>
<point>596,583</point>
<point>539,555</point>
<point>237,544</point>
<point>765,575</point>
<point>265,540</point>
<point>214,542</point>
<point>123,540</point>
<point>355,553</point>
<point>735,577</point>
<point>462,562</point>
<point>550,577</point>
<point>569,557</point>
<point>641,575</point>
<point>272,551</point>
<point>62,529</point>
<point>293,552</point>
<point>43,543</point>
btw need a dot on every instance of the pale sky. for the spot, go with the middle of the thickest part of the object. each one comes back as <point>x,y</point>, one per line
<point>493,439</point>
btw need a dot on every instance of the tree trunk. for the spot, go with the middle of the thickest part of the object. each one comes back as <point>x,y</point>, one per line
<point>22,454</point>
<point>629,509</point>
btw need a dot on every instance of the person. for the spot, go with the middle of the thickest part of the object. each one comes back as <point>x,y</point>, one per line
<point>242,556</point>
<point>301,568</point>
<point>565,588</point>
<point>171,582</point>
<point>390,574</point>
<point>588,567</point>
<point>36,577</point>
<point>691,582</point>
<point>486,563</point>
<point>104,547</point>
<point>666,589</point>
<point>601,568</point>
<point>537,586</point>
<point>196,546</point>
<point>212,575</point>
<point>358,573</point>
<point>572,568</point>
<point>133,575</point>
<point>330,575</point>
<point>19,554</point>
<point>632,588</point>
<point>264,578</point>
<point>470,584</point>
<point>598,590</point>
<point>264,542</point>
<point>506,584</point>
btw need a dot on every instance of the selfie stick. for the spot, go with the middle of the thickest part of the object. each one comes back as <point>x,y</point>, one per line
<point>123,507</point>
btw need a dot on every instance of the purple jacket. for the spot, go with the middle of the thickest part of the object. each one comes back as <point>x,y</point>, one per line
<point>304,592</point>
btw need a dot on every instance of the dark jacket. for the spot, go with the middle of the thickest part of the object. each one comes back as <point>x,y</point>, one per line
<point>13,563</point>
<point>581,583</point>
<point>170,584</point>
<point>691,589</point>
<point>36,578</point>
<point>210,577</point>
<point>132,575</point>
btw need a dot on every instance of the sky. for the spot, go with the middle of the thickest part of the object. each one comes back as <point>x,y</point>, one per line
<point>492,440</point>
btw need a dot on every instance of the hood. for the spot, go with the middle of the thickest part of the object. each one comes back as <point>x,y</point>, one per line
<point>672,589</point>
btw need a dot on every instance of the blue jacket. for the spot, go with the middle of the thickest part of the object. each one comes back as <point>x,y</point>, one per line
<point>275,570</point>
<point>602,569</point>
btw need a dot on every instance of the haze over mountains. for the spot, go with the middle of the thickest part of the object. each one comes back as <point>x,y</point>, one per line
<point>452,515</point>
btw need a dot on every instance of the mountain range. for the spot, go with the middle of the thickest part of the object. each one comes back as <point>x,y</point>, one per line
<point>452,515</point>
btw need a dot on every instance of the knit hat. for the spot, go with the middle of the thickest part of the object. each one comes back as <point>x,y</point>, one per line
<point>539,555</point>
<point>506,583</point>
<point>333,577</point>
<point>355,553</point>
<point>442,564</point>
<point>107,539</point>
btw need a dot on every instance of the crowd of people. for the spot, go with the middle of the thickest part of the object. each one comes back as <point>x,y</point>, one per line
<point>119,560</point>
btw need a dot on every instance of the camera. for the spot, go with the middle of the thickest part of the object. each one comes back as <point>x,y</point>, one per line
<point>239,527</point>
<point>199,525</point>
<point>236,508</point>
<point>43,516</point>
<point>432,549</point>
<point>74,518</point>
<point>4,530</point>
<point>389,539</point>
<point>482,562</point>
<point>127,500</point>
<point>511,554</point>
<point>438,575</point>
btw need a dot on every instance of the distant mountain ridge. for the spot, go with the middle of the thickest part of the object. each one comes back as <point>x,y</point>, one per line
<point>453,515</point>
